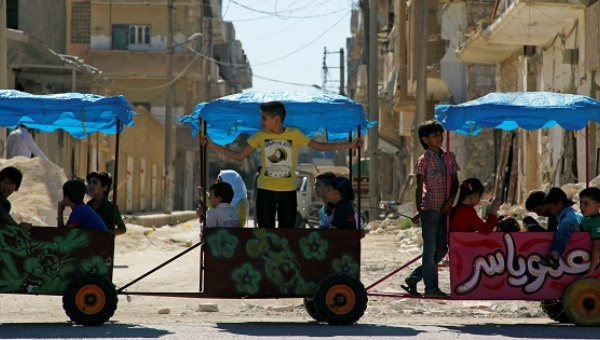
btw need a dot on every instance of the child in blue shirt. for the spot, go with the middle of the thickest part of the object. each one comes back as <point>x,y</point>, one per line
<point>559,205</point>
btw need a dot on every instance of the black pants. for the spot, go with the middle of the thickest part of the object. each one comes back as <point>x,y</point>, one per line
<point>283,203</point>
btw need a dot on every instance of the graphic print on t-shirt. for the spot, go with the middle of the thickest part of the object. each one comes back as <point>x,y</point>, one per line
<point>278,154</point>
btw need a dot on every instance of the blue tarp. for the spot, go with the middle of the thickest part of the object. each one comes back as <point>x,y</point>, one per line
<point>78,114</point>
<point>229,116</point>
<point>528,110</point>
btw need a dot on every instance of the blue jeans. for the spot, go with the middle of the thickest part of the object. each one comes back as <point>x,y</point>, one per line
<point>435,247</point>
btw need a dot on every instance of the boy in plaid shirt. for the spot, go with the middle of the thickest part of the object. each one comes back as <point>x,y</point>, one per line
<point>433,206</point>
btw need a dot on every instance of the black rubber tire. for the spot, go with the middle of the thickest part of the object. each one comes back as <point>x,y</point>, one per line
<point>340,299</point>
<point>309,305</point>
<point>555,311</point>
<point>581,302</point>
<point>90,299</point>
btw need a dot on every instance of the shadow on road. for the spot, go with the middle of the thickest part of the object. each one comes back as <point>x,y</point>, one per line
<point>272,329</point>
<point>68,330</point>
<point>527,331</point>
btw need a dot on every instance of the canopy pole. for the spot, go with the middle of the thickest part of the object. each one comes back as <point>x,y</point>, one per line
<point>116,170</point>
<point>587,156</point>
<point>358,185</point>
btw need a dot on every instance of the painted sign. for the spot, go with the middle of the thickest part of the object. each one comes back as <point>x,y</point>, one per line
<point>505,266</point>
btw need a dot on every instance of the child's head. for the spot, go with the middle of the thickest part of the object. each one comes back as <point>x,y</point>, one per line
<point>471,190</point>
<point>556,200</point>
<point>74,190</point>
<point>431,134</point>
<point>10,181</point>
<point>535,203</point>
<point>321,183</point>
<point>98,182</point>
<point>589,201</point>
<point>272,114</point>
<point>339,188</point>
<point>220,192</point>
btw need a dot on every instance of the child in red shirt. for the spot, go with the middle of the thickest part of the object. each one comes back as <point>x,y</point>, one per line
<point>464,217</point>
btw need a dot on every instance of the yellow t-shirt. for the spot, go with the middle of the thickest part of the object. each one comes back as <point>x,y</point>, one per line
<point>278,158</point>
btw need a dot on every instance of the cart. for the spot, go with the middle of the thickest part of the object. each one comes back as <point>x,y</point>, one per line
<point>76,264</point>
<point>505,265</point>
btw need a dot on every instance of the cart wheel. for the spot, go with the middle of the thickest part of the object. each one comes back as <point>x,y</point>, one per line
<point>90,299</point>
<point>581,302</point>
<point>309,305</point>
<point>555,311</point>
<point>340,299</point>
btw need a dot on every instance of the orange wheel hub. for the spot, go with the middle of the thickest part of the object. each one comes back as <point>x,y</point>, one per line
<point>340,299</point>
<point>90,299</point>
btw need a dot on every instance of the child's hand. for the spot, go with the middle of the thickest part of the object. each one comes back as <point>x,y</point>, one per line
<point>357,143</point>
<point>446,208</point>
<point>25,226</point>
<point>496,203</point>
<point>416,219</point>
<point>205,141</point>
<point>61,206</point>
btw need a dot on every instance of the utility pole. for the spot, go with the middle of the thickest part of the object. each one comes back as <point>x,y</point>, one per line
<point>373,136</point>
<point>3,58</point>
<point>342,70</point>
<point>169,166</point>
<point>421,11</point>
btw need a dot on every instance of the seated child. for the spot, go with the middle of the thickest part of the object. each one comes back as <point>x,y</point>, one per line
<point>98,186</point>
<point>535,204</point>
<point>589,202</point>
<point>222,214</point>
<point>559,205</point>
<point>464,217</point>
<point>341,195</point>
<point>10,181</point>
<point>320,190</point>
<point>82,215</point>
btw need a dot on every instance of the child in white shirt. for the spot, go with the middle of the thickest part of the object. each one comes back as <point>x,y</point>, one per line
<point>222,214</point>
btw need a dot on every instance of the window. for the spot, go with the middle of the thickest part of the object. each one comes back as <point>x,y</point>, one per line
<point>125,35</point>
<point>139,34</point>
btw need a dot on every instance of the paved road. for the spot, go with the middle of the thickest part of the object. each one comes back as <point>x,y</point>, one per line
<point>291,331</point>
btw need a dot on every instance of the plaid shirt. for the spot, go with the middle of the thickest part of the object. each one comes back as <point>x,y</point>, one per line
<point>433,169</point>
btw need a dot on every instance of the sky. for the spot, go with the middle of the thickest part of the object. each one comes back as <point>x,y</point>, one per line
<point>284,41</point>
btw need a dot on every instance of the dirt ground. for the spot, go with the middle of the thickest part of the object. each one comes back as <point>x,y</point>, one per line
<point>384,249</point>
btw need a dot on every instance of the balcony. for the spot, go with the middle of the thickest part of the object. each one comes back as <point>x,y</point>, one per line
<point>531,22</point>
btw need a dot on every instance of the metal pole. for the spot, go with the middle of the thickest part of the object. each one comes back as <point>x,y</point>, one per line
<point>169,168</point>
<point>3,57</point>
<point>373,137</point>
<point>342,70</point>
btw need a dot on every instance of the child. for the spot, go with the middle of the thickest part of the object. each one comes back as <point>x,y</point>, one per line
<point>464,217</point>
<point>341,195</point>
<point>589,202</point>
<point>222,214</point>
<point>559,205</point>
<point>10,181</point>
<point>320,190</point>
<point>82,215</point>
<point>433,206</point>
<point>240,193</point>
<point>277,180</point>
<point>98,188</point>
<point>535,204</point>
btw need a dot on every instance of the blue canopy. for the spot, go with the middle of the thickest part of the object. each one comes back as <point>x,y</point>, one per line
<point>78,114</point>
<point>330,114</point>
<point>528,110</point>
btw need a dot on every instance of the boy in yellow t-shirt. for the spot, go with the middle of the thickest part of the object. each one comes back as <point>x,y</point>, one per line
<point>277,179</point>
